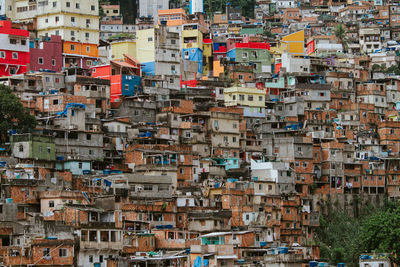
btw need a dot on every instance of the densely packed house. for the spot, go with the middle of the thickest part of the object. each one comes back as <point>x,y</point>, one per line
<point>186,139</point>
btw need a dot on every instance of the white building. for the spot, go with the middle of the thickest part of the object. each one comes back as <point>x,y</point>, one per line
<point>2,7</point>
<point>284,3</point>
<point>295,64</point>
<point>149,8</point>
<point>375,260</point>
<point>370,39</point>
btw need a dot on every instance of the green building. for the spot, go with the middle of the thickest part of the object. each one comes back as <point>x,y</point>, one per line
<point>35,147</point>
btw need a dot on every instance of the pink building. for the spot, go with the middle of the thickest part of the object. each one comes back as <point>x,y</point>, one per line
<point>47,54</point>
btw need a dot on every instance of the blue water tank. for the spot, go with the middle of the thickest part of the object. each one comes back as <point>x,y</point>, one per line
<point>341,264</point>
<point>283,250</point>
<point>313,263</point>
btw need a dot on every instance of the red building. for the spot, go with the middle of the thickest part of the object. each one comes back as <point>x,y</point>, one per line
<point>47,54</point>
<point>124,76</point>
<point>14,49</point>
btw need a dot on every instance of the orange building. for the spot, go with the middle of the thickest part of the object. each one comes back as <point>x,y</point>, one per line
<point>173,17</point>
<point>77,54</point>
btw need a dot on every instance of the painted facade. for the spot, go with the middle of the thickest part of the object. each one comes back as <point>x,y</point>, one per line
<point>14,50</point>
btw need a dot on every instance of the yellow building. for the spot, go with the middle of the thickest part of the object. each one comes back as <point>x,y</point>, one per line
<point>293,43</point>
<point>207,56</point>
<point>145,50</point>
<point>119,48</point>
<point>74,21</point>
<point>192,37</point>
<point>243,96</point>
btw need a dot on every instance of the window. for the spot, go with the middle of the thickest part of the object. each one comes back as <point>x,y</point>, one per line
<point>2,54</point>
<point>245,55</point>
<point>77,6</point>
<point>150,39</point>
<point>46,252</point>
<point>250,98</point>
<point>13,41</point>
<point>15,55</point>
<point>57,19</point>
<point>90,258</point>
<point>62,252</point>
<point>181,170</point>
<point>101,258</point>
<point>40,61</point>
<point>89,63</point>
<point>72,47</point>
<point>93,8</point>
<point>73,19</point>
<point>287,210</point>
<point>260,98</point>
<point>235,126</point>
<point>23,42</point>
<point>88,137</point>
<point>87,35</point>
<point>13,71</point>
<point>51,204</point>
<point>53,62</point>
<point>80,165</point>
<point>46,20</point>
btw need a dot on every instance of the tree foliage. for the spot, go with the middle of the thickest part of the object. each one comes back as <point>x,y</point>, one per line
<point>344,238</point>
<point>340,34</point>
<point>13,115</point>
<point>212,6</point>
<point>338,238</point>
<point>393,69</point>
<point>381,233</point>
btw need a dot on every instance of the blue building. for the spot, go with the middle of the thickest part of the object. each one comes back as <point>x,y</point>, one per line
<point>130,85</point>
<point>194,54</point>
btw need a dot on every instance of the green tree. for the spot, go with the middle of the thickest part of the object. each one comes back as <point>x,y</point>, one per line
<point>340,33</point>
<point>381,233</point>
<point>212,6</point>
<point>101,12</point>
<point>13,115</point>
<point>338,238</point>
<point>393,69</point>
